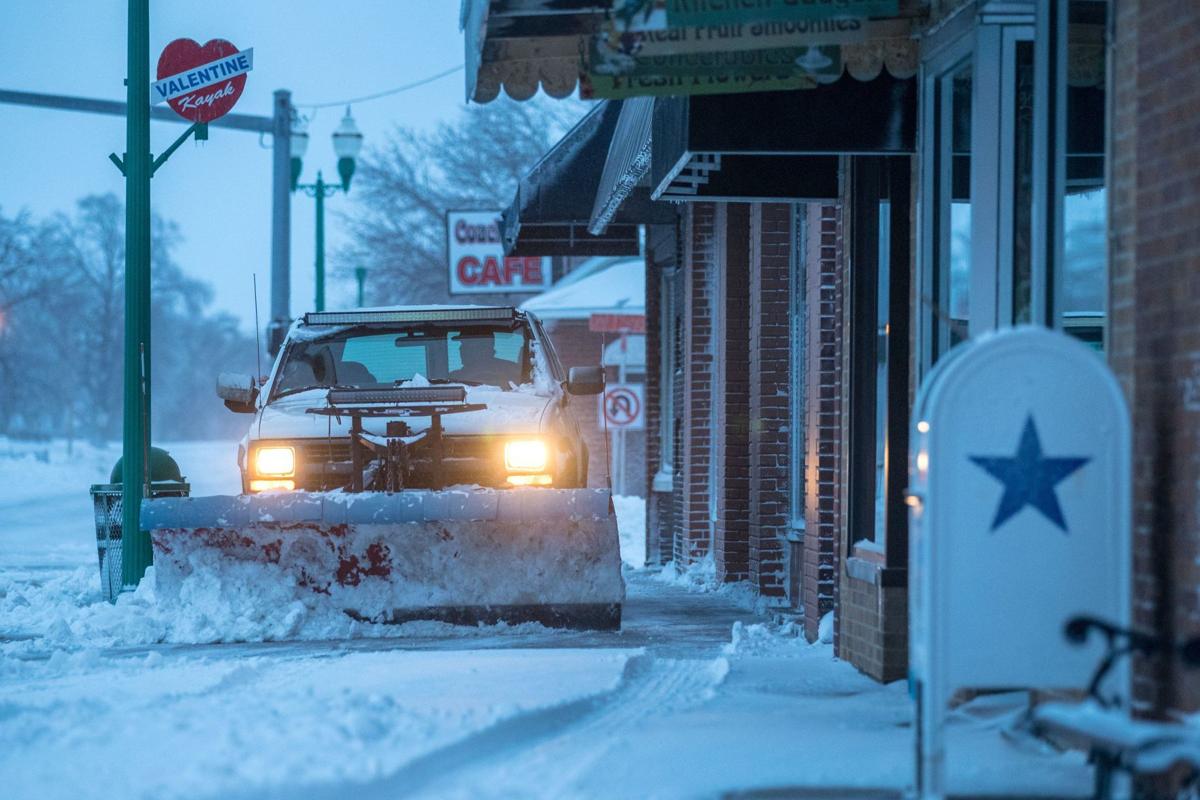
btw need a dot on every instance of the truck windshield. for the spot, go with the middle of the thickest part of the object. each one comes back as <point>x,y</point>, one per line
<point>372,357</point>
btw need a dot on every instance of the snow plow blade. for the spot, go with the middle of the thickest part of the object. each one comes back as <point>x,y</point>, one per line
<point>460,556</point>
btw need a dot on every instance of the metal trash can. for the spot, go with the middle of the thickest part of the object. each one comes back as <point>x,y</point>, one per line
<point>107,502</point>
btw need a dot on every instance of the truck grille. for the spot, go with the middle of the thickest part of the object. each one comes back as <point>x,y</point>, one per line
<point>325,464</point>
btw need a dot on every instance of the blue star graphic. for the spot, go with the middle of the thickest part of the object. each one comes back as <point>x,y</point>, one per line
<point>1029,478</point>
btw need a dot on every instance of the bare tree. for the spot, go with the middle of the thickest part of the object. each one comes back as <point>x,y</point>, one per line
<point>62,284</point>
<point>406,185</point>
<point>35,264</point>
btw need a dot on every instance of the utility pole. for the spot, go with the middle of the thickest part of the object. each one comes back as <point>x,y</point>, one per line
<point>281,225</point>
<point>136,554</point>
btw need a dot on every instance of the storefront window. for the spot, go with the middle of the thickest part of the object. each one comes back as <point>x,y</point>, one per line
<point>882,331</point>
<point>1083,277</point>
<point>1084,273</point>
<point>953,279</point>
<point>878,349</point>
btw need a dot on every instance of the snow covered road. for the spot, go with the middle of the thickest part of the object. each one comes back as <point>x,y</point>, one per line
<point>695,697</point>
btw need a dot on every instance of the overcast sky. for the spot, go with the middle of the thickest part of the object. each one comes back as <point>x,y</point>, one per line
<point>219,191</point>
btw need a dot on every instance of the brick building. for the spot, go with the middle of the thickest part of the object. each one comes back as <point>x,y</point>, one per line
<point>811,253</point>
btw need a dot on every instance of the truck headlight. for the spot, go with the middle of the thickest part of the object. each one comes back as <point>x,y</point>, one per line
<point>526,455</point>
<point>275,462</point>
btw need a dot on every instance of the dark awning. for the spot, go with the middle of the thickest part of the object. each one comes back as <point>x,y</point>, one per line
<point>777,145</point>
<point>553,206</point>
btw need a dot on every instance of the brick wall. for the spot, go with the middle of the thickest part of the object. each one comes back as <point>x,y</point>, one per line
<point>823,412</point>
<point>770,395</point>
<point>704,234</point>
<point>873,620</point>
<point>731,376</point>
<point>1155,299</point>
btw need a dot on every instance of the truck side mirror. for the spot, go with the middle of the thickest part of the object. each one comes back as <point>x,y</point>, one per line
<point>238,391</point>
<point>585,380</point>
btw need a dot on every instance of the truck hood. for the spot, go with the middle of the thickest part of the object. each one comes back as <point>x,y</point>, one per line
<point>519,412</point>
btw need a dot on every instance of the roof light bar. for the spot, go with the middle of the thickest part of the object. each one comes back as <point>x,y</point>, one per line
<point>398,396</point>
<point>416,315</point>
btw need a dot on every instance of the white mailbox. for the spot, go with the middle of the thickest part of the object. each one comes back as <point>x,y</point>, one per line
<point>1020,519</point>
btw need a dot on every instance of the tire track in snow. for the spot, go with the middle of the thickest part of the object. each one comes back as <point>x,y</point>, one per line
<point>549,767</point>
<point>542,753</point>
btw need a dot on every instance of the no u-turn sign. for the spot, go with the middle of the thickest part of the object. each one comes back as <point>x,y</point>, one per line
<point>623,406</point>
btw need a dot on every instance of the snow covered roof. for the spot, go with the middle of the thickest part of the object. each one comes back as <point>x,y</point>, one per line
<point>618,287</point>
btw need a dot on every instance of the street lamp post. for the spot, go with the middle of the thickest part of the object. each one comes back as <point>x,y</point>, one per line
<point>360,274</point>
<point>347,142</point>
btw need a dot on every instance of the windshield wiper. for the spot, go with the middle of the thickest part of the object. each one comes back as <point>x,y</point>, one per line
<point>298,389</point>
<point>442,381</point>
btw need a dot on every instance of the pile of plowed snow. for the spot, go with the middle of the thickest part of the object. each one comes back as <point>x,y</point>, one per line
<point>246,604</point>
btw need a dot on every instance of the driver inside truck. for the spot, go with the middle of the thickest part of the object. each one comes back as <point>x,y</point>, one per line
<point>480,364</point>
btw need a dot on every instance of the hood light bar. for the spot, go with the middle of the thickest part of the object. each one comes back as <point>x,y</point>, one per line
<point>398,396</point>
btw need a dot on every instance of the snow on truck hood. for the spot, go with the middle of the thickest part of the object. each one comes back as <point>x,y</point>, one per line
<point>508,413</point>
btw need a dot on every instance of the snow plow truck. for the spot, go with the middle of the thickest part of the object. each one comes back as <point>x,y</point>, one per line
<point>412,463</point>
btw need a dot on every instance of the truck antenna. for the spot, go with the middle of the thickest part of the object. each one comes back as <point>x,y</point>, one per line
<point>257,333</point>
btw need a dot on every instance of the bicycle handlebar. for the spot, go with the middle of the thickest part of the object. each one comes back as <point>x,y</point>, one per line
<point>1124,641</point>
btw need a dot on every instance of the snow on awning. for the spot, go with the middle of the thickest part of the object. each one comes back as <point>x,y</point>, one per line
<point>628,160</point>
<point>551,212</point>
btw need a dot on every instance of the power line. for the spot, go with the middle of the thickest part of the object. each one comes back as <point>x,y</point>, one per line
<point>377,95</point>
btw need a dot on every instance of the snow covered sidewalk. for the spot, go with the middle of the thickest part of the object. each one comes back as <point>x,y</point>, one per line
<point>695,697</point>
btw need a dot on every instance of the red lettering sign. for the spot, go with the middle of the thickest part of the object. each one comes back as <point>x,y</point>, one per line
<point>468,270</point>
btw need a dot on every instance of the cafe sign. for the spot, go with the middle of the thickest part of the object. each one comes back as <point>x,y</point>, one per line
<point>477,264</point>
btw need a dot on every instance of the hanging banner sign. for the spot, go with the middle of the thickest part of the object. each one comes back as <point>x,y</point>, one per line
<point>616,87</point>
<point>646,15</point>
<point>477,262</point>
<point>201,82</point>
<point>617,323</point>
<point>821,64</point>
<point>613,44</point>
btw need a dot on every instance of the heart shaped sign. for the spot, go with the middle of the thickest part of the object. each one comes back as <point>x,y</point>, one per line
<point>201,82</point>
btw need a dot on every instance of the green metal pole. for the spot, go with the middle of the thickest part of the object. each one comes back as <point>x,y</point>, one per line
<point>135,543</point>
<point>320,300</point>
<point>361,274</point>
